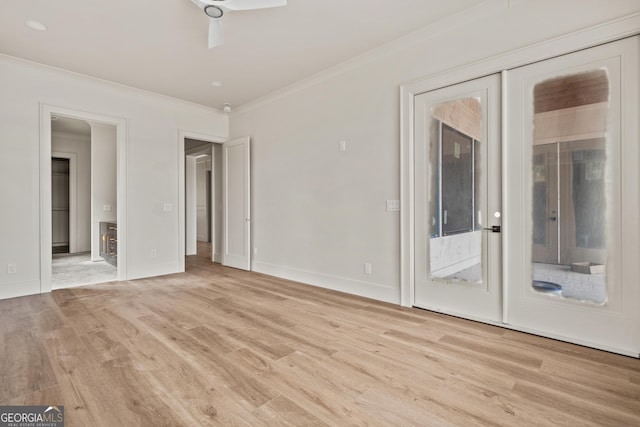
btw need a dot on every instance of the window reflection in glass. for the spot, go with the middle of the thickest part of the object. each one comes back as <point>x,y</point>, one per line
<point>455,193</point>
<point>569,167</point>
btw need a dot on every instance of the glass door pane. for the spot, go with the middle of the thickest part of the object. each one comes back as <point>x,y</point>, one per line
<point>568,192</point>
<point>456,251</point>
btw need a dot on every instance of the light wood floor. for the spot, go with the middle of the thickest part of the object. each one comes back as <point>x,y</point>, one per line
<point>218,346</point>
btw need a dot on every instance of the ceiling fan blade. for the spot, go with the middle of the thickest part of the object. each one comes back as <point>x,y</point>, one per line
<point>252,4</point>
<point>216,34</point>
<point>218,3</point>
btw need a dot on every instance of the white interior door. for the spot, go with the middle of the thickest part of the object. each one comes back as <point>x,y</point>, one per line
<point>581,109</point>
<point>457,200</point>
<point>236,244</point>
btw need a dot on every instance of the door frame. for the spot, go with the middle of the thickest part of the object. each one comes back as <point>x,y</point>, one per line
<point>46,112</point>
<point>184,134</point>
<point>604,33</point>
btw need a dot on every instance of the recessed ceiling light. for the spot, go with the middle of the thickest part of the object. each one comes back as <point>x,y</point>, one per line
<point>36,25</point>
<point>216,83</point>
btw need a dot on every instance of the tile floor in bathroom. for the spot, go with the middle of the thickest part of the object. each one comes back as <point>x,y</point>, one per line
<point>70,270</point>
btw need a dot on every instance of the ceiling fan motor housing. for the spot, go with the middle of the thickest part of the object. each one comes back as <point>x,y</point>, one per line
<point>213,11</point>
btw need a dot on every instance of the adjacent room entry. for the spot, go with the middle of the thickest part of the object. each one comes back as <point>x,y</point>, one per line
<point>526,198</point>
<point>229,192</point>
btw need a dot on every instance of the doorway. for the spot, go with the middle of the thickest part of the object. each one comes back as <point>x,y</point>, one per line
<point>203,189</point>
<point>230,181</point>
<point>68,134</point>
<point>84,200</point>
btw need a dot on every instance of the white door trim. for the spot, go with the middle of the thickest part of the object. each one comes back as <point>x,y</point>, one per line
<point>610,31</point>
<point>46,111</point>
<point>182,135</point>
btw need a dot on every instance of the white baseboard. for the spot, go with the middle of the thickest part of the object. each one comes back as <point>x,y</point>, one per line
<point>160,269</point>
<point>356,287</point>
<point>19,289</point>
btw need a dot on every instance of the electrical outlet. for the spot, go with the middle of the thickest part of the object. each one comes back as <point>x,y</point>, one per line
<point>12,269</point>
<point>367,268</point>
<point>343,145</point>
<point>255,251</point>
<point>154,253</point>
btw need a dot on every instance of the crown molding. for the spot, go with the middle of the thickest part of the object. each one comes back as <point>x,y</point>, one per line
<point>112,83</point>
<point>464,17</point>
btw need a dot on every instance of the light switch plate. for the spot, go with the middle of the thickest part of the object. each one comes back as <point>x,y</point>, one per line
<point>168,207</point>
<point>393,205</point>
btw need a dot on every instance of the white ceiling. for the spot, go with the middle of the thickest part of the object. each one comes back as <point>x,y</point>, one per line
<point>161,45</point>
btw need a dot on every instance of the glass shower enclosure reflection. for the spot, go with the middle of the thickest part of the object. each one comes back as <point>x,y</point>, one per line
<point>569,209</point>
<point>455,197</point>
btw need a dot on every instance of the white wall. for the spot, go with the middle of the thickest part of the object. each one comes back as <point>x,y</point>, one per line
<point>153,124</point>
<point>80,145</point>
<point>104,191</point>
<point>318,214</point>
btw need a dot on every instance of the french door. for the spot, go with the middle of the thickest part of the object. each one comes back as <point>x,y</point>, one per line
<point>572,197</point>
<point>561,185</point>
<point>457,199</point>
